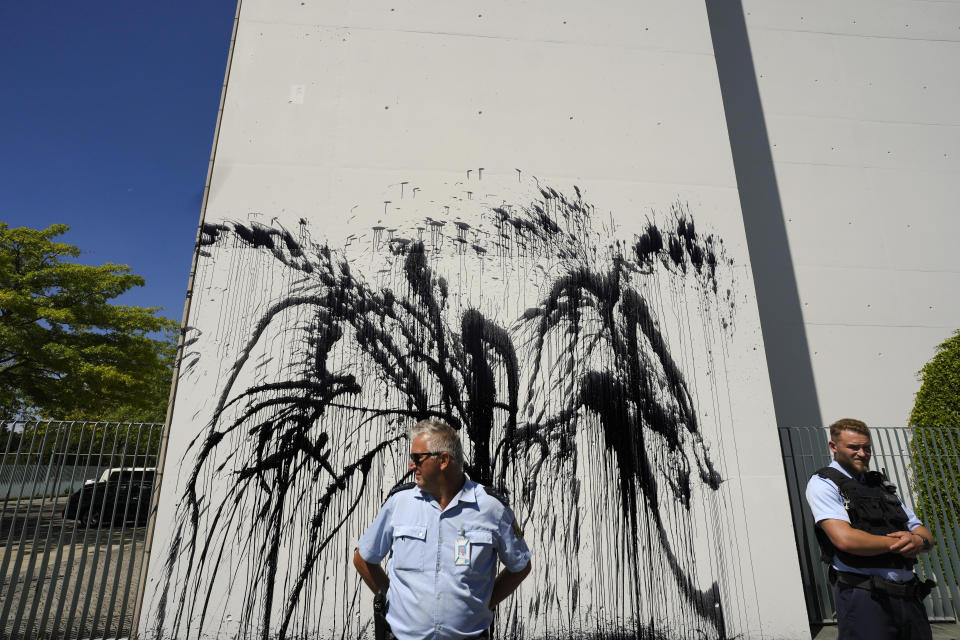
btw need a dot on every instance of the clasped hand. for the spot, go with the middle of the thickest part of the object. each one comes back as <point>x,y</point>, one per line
<point>906,544</point>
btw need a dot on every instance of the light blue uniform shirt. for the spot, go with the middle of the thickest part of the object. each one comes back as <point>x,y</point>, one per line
<point>430,596</point>
<point>825,502</point>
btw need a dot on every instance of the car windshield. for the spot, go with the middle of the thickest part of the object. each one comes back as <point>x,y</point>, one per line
<point>130,476</point>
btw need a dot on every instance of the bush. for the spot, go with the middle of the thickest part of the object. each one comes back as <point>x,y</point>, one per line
<point>935,449</point>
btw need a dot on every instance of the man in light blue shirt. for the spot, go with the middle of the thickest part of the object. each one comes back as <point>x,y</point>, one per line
<point>872,540</point>
<point>826,503</point>
<point>446,534</point>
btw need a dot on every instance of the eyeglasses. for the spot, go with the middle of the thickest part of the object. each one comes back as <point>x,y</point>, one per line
<point>418,458</point>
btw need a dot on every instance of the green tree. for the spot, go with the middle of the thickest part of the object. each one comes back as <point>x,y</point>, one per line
<point>935,448</point>
<point>79,443</point>
<point>66,352</point>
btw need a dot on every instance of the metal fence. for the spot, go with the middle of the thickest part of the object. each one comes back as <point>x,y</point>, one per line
<point>76,499</point>
<point>805,451</point>
<point>76,496</point>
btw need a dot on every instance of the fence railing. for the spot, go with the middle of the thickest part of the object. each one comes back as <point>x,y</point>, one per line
<point>915,472</point>
<point>76,497</point>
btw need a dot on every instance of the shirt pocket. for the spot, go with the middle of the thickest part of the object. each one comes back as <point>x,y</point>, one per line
<point>481,549</point>
<point>409,547</point>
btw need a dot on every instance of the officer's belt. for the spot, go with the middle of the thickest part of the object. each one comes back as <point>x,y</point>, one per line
<point>382,630</point>
<point>915,589</point>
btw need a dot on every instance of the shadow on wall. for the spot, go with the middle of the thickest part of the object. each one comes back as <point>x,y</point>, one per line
<point>784,336</point>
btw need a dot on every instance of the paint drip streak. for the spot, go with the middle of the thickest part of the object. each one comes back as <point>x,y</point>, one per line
<point>577,407</point>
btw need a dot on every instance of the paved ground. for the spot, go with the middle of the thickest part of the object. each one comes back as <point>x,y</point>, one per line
<point>49,563</point>
<point>941,631</point>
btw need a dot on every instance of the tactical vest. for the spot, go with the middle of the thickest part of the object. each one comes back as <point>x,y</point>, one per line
<point>872,506</point>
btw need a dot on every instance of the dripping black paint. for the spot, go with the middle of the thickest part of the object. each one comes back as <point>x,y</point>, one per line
<point>468,371</point>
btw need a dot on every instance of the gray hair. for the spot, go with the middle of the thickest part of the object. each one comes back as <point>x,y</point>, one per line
<point>440,437</point>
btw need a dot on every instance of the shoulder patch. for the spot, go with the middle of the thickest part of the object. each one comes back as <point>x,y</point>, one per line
<point>401,487</point>
<point>493,493</point>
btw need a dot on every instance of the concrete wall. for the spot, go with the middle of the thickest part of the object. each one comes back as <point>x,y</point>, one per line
<point>824,139</point>
<point>860,101</point>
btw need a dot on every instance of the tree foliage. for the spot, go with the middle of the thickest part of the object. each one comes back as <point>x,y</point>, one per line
<point>935,448</point>
<point>81,443</point>
<point>66,352</point>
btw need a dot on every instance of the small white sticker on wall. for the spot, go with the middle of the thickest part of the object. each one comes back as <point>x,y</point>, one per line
<point>296,94</point>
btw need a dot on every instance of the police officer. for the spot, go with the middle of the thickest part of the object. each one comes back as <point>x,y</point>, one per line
<point>446,533</point>
<point>871,539</point>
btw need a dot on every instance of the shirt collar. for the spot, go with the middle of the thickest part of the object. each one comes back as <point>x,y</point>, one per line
<point>467,493</point>
<point>836,465</point>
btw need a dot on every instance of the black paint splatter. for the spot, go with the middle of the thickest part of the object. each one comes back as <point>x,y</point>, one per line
<point>273,475</point>
<point>681,248</point>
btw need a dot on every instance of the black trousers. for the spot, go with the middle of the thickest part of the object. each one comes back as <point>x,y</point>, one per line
<point>863,616</point>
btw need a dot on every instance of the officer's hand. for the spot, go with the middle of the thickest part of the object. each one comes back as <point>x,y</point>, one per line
<point>906,544</point>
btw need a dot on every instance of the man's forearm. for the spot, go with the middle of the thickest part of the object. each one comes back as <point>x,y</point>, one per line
<point>506,583</point>
<point>860,543</point>
<point>373,574</point>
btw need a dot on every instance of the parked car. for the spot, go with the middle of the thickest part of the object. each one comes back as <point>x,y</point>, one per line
<point>120,494</point>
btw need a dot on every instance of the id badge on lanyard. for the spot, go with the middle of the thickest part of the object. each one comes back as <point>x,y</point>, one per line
<point>461,551</point>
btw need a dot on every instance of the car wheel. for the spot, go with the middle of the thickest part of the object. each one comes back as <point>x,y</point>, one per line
<point>93,519</point>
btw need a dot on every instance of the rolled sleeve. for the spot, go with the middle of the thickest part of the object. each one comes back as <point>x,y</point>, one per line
<point>824,499</point>
<point>375,542</point>
<point>511,549</point>
<point>912,520</point>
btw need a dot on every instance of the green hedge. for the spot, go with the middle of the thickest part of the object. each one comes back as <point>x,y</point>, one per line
<point>935,449</point>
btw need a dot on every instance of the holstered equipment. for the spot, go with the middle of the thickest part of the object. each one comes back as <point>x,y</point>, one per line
<point>381,629</point>
<point>878,586</point>
<point>872,506</point>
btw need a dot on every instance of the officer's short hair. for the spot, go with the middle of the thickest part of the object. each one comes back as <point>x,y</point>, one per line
<point>848,424</point>
<point>440,437</point>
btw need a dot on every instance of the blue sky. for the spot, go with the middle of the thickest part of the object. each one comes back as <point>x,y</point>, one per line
<point>108,109</point>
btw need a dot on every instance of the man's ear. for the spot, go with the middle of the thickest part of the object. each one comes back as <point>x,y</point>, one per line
<point>833,446</point>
